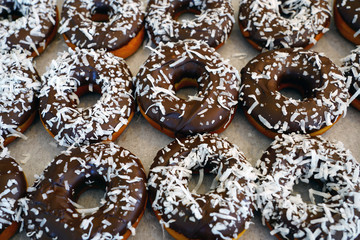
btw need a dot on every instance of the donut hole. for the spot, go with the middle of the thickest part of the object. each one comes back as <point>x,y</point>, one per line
<point>306,191</point>
<point>89,194</point>
<point>88,95</point>
<point>91,198</point>
<point>201,182</point>
<point>186,88</point>
<point>9,12</point>
<point>296,86</point>
<point>289,8</point>
<point>187,83</point>
<point>101,12</point>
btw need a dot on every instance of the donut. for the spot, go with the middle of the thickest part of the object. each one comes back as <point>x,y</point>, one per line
<point>351,69</point>
<point>213,22</point>
<point>283,24</point>
<point>225,211</point>
<point>293,158</point>
<point>71,75</point>
<point>114,25</point>
<point>12,187</point>
<point>19,86</point>
<point>30,25</point>
<point>50,208</point>
<point>320,82</point>
<point>346,13</point>
<point>173,66</point>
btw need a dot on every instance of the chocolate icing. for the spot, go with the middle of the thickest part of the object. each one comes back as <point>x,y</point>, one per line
<point>214,105</point>
<point>223,212</point>
<point>19,85</point>
<point>58,99</point>
<point>12,187</point>
<point>213,24</point>
<point>125,22</point>
<point>291,158</point>
<point>32,23</point>
<point>49,213</point>
<point>325,94</point>
<point>349,11</point>
<point>284,24</point>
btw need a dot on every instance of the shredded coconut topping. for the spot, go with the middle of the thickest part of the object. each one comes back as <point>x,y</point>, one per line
<point>351,70</point>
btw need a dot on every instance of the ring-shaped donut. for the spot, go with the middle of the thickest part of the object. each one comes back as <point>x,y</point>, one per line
<point>283,24</point>
<point>30,25</point>
<point>351,70</point>
<point>213,24</point>
<point>172,66</point>
<point>19,86</point>
<point>74,73</point>
<point>318,79</point>
<point>293,158</point>
<point>50,209</point>
<point>114,25</point>
<point>222,213</point>
<point>12,187</point>
<point>347,21</point>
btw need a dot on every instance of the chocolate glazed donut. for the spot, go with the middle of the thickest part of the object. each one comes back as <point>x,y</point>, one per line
<point>321,83</point>
<point>213,24</point>
<point>225,211</point>
<point>50,209</point>
<point>293,158</point>
<point>30,25</point>
<point>169,68</point>
<point>347,19</point>
<point>19,86</point>
<point>114,25</point>
<point>74,73</point>
<point>12,187</point>
<point>285,23</point>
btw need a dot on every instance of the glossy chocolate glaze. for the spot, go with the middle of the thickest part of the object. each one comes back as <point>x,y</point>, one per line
<point>324,90</point>
<point>125,22</point>
<point>58,100</point>
<point>284,24</point>
<point>213,24</point>
<point>291,158</point>
<point>223,212</point>
<point>31,25</point>
<point>49,213</point>
<point>12,187</point>
<point>213,106</point>
<point>349,10</point>
<point>19,86</point>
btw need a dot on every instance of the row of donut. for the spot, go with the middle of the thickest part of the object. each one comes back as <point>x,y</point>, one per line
<point>119,26</point>
<point>49,208</point>
<point>168,68</point>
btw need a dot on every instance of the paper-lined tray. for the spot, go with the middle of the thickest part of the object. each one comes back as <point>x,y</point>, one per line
<point>144,141</point>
